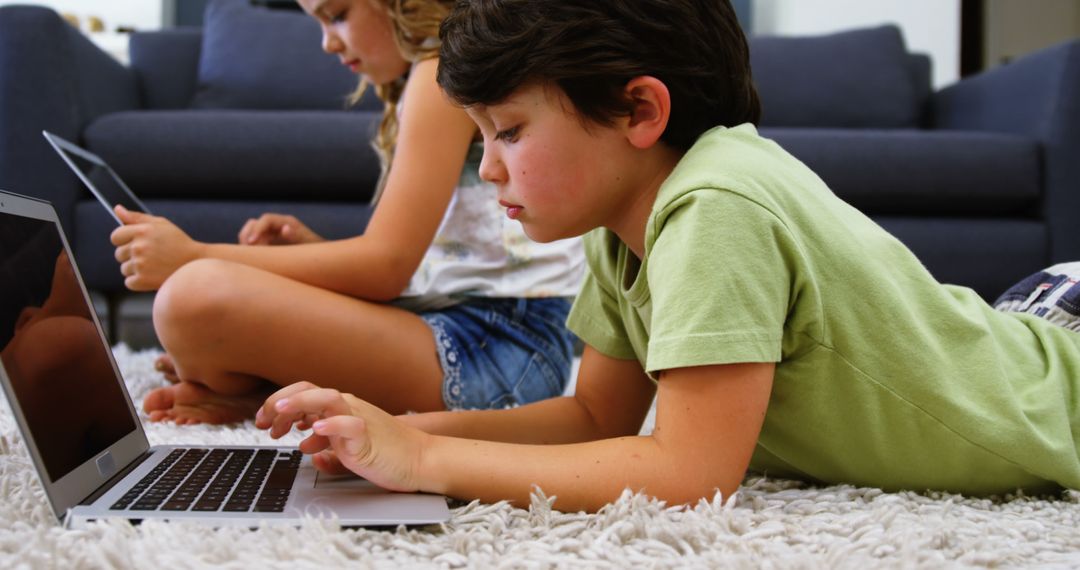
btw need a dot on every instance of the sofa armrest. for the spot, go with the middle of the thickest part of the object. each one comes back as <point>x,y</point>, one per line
<point>922,71</point>
<point>51,78</point>
<point>1034,96</point>
<point>1037,96</point>
<point>166,63</point>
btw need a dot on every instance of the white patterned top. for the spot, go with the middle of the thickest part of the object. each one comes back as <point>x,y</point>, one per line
<point>479,251</point>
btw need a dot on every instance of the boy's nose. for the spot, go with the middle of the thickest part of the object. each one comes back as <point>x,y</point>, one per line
<point>492,169</point>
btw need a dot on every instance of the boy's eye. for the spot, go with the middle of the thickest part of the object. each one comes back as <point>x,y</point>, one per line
<point>508,134</point>
<point>337,18</point>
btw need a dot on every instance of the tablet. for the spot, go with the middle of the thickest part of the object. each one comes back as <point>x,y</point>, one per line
<point>99,177</point>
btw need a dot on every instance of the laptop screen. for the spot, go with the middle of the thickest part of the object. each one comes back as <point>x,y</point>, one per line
<point>55,358</point>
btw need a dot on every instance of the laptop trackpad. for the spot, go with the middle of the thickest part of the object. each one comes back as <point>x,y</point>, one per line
<point>349,482</point>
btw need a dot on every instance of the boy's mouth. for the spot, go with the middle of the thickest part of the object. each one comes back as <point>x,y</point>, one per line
<point>512,210</point>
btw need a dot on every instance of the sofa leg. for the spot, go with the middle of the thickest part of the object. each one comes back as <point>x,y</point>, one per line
<point>134,320</point>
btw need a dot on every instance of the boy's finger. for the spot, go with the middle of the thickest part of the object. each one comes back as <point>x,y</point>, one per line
<point>350,428</point>
<point>322,402</point>
<point>313,444</point>
<point>266,413</point>
<point>328,462</point>
<point>283,423</point>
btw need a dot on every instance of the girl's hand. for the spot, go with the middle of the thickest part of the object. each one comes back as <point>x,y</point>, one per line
<point>363,438</point>
<point>150,248</point>
<point>276,229</point>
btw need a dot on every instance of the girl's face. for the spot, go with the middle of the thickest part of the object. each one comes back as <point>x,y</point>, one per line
<point>554,175</point>
<point>360,33</point>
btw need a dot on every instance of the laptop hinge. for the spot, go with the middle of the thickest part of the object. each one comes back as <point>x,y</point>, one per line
<point>89,500</point>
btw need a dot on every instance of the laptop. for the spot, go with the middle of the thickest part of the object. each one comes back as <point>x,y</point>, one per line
<point>87,442</point>
<point>102,181</point>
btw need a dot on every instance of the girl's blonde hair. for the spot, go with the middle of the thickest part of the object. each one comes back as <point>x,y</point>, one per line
<point>416,33</point>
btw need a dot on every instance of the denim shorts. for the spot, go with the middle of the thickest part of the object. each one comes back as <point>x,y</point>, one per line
<point>502,352</point>
<point>1053,294</point>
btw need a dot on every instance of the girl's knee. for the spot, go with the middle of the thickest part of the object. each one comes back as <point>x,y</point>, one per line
<point>193,295</point>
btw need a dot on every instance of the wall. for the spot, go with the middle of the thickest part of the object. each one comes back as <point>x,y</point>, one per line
<point>139,14</point>
<point>114,14</point>
<point>929,26</point>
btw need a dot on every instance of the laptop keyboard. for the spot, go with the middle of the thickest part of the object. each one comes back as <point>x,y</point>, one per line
<point>225,480</point>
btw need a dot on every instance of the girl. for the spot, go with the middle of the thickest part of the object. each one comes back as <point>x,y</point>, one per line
<point>442,303</point>
<point>780,329</point>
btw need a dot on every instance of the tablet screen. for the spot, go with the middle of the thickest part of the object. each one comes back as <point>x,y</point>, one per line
<point>99,177</point>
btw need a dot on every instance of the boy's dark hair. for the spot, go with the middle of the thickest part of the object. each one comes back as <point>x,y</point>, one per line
<point>592,48</point>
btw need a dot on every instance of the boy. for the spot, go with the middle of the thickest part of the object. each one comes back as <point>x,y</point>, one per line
<point>780,329</point>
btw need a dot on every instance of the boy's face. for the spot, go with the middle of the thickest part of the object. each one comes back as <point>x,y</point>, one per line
<point>554,175</point>
<point>360,33</point>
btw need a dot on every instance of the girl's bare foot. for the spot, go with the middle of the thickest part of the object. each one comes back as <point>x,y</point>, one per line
<point>164,364</point>
<point>193,403</point>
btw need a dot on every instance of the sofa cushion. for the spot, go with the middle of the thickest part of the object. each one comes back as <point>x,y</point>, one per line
<point>858,78</point>
<point>259,58</point>
<point>917,172</point>
<point>218,221</point>
<point>240,155</point>
<point>987,254</point>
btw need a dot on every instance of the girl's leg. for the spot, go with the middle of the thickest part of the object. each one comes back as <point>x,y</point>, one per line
<point>236,332</point>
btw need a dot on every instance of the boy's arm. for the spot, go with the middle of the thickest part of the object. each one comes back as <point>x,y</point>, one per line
<point>611,399</point>
<point>707,424</point>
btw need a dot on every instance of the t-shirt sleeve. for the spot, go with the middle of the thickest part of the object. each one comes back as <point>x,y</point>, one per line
<point>720,276</point>
<point>594,317</point>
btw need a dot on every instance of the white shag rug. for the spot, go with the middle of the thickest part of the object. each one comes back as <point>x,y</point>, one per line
<point>768,524</point>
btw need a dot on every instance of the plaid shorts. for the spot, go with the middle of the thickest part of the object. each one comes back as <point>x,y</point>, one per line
<point>1053,294</point>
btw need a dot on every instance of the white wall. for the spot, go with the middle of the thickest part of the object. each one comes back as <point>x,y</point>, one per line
<point>929,26</point>
<point>138,14</point>
<point>126,14</point>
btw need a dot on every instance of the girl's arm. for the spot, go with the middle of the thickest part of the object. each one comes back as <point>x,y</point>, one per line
<point>707,423</point>
<point>433,140</point>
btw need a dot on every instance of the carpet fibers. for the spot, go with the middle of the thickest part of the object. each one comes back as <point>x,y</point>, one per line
<point>768,524</point>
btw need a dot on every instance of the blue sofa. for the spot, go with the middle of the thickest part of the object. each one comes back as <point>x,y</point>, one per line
<point>209,126</point>
<point>214,125</point>
<point>979,179</point>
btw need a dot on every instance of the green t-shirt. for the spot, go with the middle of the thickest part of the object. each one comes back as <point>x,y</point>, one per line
<point>884,376</point>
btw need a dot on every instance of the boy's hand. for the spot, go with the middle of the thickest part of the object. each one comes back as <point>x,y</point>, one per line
<point>363,438</point>
<point>150,248</point>
<point>276,229</point>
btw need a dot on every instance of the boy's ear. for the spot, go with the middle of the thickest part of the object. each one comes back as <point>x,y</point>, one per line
<point>651,109</point>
